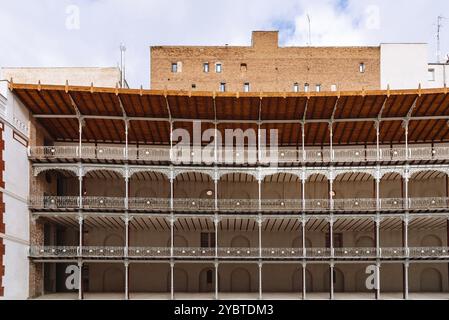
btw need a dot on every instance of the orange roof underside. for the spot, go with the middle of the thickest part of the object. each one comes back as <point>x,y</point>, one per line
<point>353,113</point>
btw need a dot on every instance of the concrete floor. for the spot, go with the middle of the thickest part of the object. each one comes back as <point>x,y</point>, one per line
<point>245,296</point>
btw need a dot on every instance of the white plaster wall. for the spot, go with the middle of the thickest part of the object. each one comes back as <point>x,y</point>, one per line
<point>403,65</point>
<point>441,75</point>
<point>16,216</point>
<point>100,77</point>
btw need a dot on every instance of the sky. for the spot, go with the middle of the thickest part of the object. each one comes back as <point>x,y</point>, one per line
<point>88,33</point>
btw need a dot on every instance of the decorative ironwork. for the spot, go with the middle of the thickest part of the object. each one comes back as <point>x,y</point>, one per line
<point>237,253</point>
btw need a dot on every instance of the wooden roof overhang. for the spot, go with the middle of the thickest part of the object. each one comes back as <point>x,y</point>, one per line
<point>351,115</point>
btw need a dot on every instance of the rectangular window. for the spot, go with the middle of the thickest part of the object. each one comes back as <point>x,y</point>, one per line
<point>246,87</point>
<point>306,87</point>
<point>295,87</point>
<point>318,87</point>
<point>204,240</point>
<point>209,277</point>
<point>174,67</point>
<point>218,67</point>
<point>206,67</point>
<point>243,67</point>
<point>362,67</point>
<point>431,74</point>
<point>207,239</point>
<point>222,87</point>
<point>334,87</point>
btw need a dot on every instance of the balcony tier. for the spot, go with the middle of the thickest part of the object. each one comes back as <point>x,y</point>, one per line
<point>284,156</point>
<point>96,252</point>
<point>61,203</point>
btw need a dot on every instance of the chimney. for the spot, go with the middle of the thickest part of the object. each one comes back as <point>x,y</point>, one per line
<point>265,39</point>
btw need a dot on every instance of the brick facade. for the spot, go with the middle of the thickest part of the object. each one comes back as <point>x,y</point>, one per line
<point>2,210</point>
<point>265,66</point>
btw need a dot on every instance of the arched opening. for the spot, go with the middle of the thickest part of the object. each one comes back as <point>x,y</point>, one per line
<point>178,242</point>
<point>431,280</point>
<point>427,184</point>
<point>240,242</point>
<point>207,280</point>
<point>145,192</point>
<point>431,241</point>
<point>145,185</point>
<point>53,184</point>
<point>365,242</point>
<point>238,192</point>
<point>352,185</point>
<point>317,187</point>
<point>281,190</point>
<point>113,240</point>
<point>297,243</point>
<point>360,280</point>
<point>240,280</point>
<point>297,285</point>
<point>192,184</point>
<point>113,280</point>
<point>339,280</point>
<point>391,189</point>
<point>104,184</point>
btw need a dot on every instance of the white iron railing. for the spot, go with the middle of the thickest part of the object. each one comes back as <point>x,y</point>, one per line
<point>235,205</point>
<point>284,155</point>
<point>237,253</point>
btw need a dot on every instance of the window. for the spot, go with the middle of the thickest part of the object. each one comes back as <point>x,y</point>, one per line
<point>193,86</point>
<point>222,87</point>
<point>209,277</point>
<point>431,74</point>
<point>246,87</point>
<point>174,67</point>
<point>306,87</point>
<point>362,67</point>
<point>334,87</point>
<point>206,67</point>
<point>218,67</point>
<point>243,67</point>
<point>295,87</point>
<point>207,239</point>
<point>318,87</point>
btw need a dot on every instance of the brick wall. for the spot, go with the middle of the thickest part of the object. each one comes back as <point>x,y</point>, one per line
<point>2,209</point>
<point>268,66</point>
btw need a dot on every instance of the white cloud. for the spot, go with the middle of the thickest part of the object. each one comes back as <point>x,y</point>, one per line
<point>33,33</point>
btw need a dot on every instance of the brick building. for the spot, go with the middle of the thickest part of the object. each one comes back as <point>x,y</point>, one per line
<point>264,66</point>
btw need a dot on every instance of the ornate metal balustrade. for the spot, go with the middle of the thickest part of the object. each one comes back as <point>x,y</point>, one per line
<point>284,155</point>
<point>235,205</point>
<point>355,253</point>
<point>238,253</point>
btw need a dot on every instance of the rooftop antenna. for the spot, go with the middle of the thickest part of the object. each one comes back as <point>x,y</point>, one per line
<point>439,26</point>
<point>122,65</point>
<point>310,31</point>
